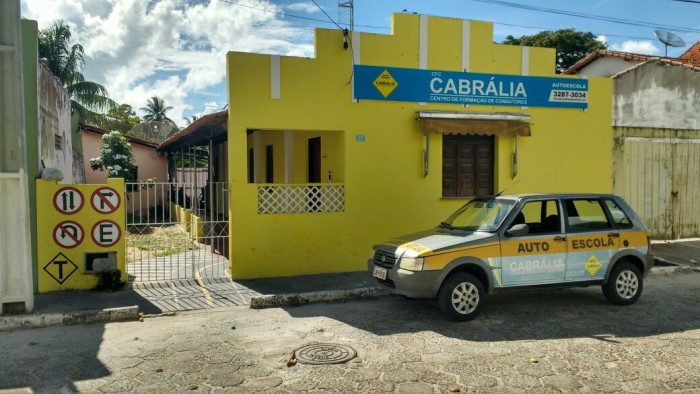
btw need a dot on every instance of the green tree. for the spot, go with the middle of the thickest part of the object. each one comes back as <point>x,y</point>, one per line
<point>116,157</point>
<point>191,119</point>
<point>66,62</point>
<point>121,118</point>
<point>156,111</point>
<point>571,45</point>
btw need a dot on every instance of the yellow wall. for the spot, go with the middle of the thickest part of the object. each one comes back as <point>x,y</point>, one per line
<point>385,191</point>
<point>71,275</point>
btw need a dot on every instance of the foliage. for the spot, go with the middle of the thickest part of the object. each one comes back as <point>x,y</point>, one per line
<point>195,157</point>
<point>156,110</point>
<point>116,157</point>
<point>191,119</point>
<point>122,118</point>
<point>66,63</point>
<point>571,45</point>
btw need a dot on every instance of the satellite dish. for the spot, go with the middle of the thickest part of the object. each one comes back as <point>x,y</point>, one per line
<point>153,131</point>
<point>669,39</point>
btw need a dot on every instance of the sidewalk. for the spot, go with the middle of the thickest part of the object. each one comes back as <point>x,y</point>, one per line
<point>72,307</point>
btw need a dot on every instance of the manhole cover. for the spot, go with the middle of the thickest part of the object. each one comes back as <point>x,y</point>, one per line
<point>325,353</point>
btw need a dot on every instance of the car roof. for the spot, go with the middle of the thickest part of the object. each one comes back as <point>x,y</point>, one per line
<point>555,195</point>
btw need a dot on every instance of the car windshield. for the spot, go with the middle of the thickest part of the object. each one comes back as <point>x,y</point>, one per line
<point>480,214</point>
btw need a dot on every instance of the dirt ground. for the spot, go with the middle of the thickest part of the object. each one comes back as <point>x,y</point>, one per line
<point>146,242</point>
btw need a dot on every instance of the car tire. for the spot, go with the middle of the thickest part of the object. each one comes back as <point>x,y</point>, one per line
<point>461,297</point>
<point>624,285</point>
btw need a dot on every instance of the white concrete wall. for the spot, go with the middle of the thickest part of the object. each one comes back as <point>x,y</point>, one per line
<point>607,66</point>
<point>657,95</point>
<point>54,120</point>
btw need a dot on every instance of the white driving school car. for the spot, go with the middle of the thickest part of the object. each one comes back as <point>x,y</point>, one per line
<point>502,243</point>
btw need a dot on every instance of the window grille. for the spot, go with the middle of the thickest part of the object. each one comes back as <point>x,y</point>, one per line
<point>313,198</point>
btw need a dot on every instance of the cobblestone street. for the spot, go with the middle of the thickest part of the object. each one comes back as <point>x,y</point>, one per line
<point>549,341</point>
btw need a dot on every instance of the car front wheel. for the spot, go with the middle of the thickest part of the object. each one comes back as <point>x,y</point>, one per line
<point>461,297</point>
<point>624,285</point>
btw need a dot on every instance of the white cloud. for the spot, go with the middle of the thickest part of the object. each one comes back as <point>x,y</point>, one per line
<point>309,8</point>
<point>168,48</point>
<point>641,47</point>
<point>602,38</point>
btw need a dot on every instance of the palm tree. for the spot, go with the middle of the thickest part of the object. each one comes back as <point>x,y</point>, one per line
<point>66,63</point>
<point>156,110</point>
<point>191,119</point>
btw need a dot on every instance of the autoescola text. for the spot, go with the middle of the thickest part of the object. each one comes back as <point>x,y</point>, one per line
<point>592,243</point>
<point>529,247</point>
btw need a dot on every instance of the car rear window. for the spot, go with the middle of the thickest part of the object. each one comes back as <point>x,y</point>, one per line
<point>618,215</point>
<point>585,215</point>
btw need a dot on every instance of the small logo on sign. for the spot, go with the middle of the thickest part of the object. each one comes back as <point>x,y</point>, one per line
<point>592,265</point>
<point>385,83</point>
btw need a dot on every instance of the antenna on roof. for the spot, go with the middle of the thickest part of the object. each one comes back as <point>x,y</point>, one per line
<point>346,17</point>
<point>669,39</point>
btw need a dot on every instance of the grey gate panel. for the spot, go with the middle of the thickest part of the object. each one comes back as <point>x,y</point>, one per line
<point>659,178</point>
<point>176,231</point>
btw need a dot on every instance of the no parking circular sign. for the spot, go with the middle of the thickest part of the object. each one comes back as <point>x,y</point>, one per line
<point>106,233</point>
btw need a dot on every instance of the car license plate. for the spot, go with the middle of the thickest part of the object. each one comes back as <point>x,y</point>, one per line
<point>379,273</point>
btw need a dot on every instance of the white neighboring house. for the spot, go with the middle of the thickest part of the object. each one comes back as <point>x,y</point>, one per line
<point>656,135</point>
<point>55,142</point>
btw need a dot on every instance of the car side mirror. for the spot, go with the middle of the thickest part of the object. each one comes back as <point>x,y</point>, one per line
<point>518,229</point>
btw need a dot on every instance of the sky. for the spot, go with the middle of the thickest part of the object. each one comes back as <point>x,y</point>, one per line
<point>176,49</point>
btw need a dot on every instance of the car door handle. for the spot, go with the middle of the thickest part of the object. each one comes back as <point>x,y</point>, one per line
<point>613,235</point>
<point>559,238</point>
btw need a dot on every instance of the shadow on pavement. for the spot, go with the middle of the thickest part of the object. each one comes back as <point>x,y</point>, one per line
<point>82,300</point>
<point>665,307</point>
<point>31,363</point>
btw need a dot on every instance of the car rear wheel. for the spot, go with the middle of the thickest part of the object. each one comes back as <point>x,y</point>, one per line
<point>624,285</point>
<point>461,297</point>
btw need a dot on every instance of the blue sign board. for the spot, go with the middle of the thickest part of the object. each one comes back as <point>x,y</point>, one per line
<point>450,87</point>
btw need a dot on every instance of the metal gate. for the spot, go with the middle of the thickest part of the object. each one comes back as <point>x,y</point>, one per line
<point>660,179</point>
<point>176,231</point>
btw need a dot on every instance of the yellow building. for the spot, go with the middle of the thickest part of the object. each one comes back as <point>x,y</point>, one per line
<point>381,135</point>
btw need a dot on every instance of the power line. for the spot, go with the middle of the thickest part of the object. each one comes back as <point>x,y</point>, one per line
<point>387,28</point>
<point>298,16</point>
<point>324,13</point>
<point>688,1</point>
<point>589,16</point>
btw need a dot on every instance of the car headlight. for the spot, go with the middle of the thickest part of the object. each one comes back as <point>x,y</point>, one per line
<point>411,264</point>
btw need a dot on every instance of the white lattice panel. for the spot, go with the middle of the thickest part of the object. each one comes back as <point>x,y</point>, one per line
<point>301,199</point>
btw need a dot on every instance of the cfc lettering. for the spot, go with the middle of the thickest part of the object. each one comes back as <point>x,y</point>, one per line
<point>591,243</point>
<point>530,247</point>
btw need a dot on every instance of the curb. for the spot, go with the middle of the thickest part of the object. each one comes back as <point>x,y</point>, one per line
<point>277,300</point>
<point>670,268</point>
<point>64,319</point>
